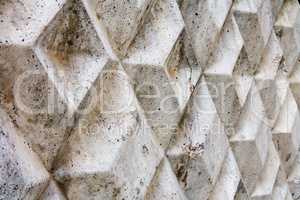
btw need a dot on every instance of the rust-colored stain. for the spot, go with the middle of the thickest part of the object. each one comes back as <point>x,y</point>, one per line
<point>59,57</point>
<point>172,72</point>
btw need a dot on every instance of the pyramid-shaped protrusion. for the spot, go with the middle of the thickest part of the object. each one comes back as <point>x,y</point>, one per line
<point>32,102</point>
<point>147,64</point>
<point>267,80</point>
<point>149,100</point>
<point>219,74</point>
<point>251,142</point>
<point>112,149</point>
<point>157,99</point>
<point>281,188</point>
<point>286,135</point>
<point>120,20</point>
<point>227,51</point>
<point>265,182</point>
<point>164,184</point>
<point>72,53</point>
<point>255,21</point>
<point>183,70</point>
<point>199,149</point>
<point>22,175</point>
<point>271,59</point>
<point>157,37</point>
<point>204,21</point>
<point>23,21</point>
<point>229,180</point>
<point>242,87</point>
<point>287,29</point>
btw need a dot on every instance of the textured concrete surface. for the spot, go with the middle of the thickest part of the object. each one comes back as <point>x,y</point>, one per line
<point>149,100</point>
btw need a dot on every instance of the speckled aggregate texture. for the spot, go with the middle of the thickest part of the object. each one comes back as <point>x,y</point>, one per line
<point>149,100</point>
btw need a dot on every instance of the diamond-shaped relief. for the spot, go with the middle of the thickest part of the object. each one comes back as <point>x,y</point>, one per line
<point>269,91</point>
<point>255,21</point>
<point>111,153</point>
<point>156,38</point>
<point>22,174</point>
<point>157,99</point>
<point>155,49</point>
<point>125,116</point>
<point>22,21</point>
<point>164,184</point>
<point>267,80</point>
<point>229,45</point>
<point>243,76</point>
<point>243,84</point>
<point>286,132</point>
<point>219,74</point>
<point>164,92</point>
<point>183,70</point>
<point>228,181</point>
<point>45,131</point>
<point>204,21</point>
<point>267,178</point>
<point>120,20</point>
<point>288,33</point>
<point>197,152</point>
<point>32,102</point>
<point>251,142</point>
<point>72,53</point>
<point>244,67</point>
<point>281,189</point>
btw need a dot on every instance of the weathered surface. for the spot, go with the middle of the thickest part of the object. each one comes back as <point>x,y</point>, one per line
<point>149,100</point>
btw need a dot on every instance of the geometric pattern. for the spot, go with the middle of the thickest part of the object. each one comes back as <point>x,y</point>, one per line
<point>150,99</point>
